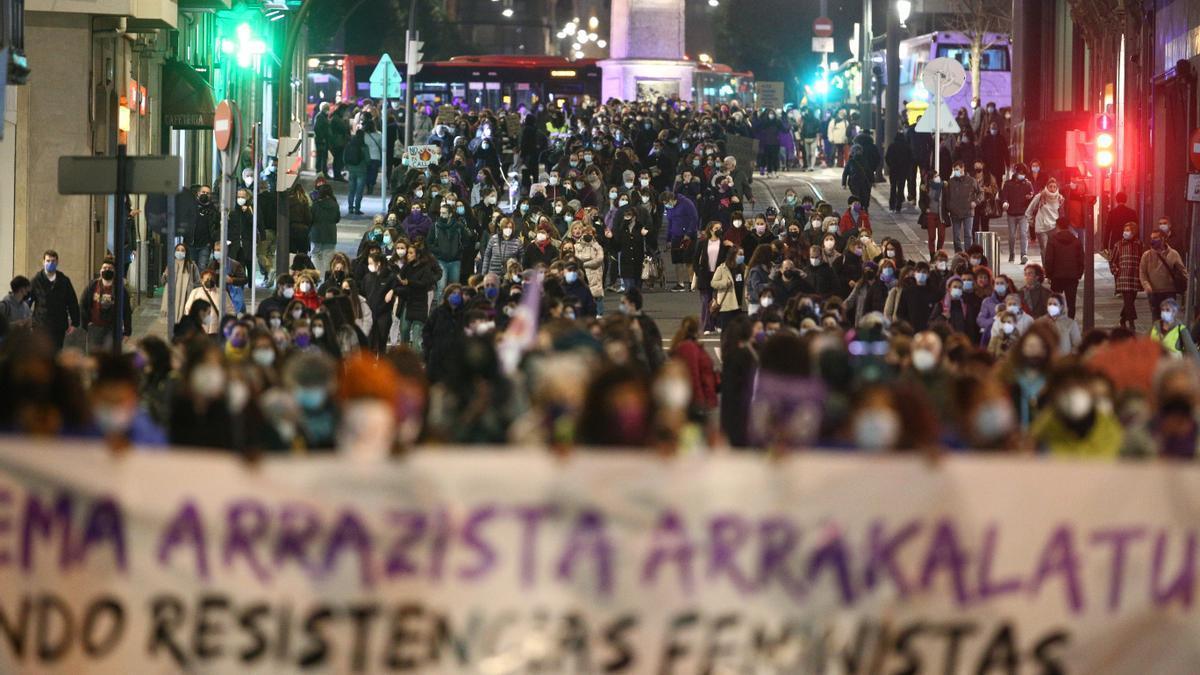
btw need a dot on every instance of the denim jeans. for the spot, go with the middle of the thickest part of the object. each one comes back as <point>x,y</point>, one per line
<point>411,332</point>
<point>450,272</point>
<point>358,183</point>
<point>1017,231</point>
<point>962,226</point>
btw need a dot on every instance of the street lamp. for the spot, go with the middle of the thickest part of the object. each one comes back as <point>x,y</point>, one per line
<point>507,12</point>
<point>903,11</point>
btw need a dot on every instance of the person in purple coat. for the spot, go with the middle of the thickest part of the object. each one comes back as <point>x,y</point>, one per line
<point>417,224</point>
<point>683,222</point>
<point>1001,287</point>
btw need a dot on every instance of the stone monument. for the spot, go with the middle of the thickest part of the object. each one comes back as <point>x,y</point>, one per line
<point>646,47</point>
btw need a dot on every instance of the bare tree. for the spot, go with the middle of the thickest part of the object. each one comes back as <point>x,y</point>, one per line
<point>980,21</point>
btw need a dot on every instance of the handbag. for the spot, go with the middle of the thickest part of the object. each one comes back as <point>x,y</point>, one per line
<point>1180,279</point>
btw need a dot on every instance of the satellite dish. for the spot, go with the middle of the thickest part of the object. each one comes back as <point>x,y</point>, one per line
<point>943,76</point>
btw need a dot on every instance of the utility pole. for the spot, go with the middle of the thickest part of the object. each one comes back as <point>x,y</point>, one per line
<point>892,104</point>
<point>865,69</point>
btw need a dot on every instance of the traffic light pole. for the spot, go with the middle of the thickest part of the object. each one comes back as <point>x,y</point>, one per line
<point>283,118</point>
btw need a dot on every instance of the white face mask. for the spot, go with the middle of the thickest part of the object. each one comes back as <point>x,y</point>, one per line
<point>264,357</point>
<point>241,201</point>
<point>297,314</point>
<point>1053,310</point>
<point>829,245</point>
<point>941,265</point>
<point>180,255</point>
<point>208,380</point>
<point>318,332</point>
<point>645,182</point>
<point>490,201</point>
<point>541,236</point>
<point>288,292</point>
<point>923,360</point>
<point>1008,328</point>
<point>507,232</point>
<point>553,180</point>
<point>1168,316</point>
<point>876,429</point>
<point>766,301</point>
<point>737,223</point>
<point>305,287</point>
<point>1075,403</point>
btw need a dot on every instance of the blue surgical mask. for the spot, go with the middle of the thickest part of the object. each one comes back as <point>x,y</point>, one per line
<point>1001,289</point>
<point>455,300</point>
<point>460,209</point>
<point>571,277</point>
<point>51,267</point>
<point>387,240</point>
<point>524,208</point>
<point>310,398</point>
<point>491,292</point>
<point>968,285</point>
<point>741,259</point>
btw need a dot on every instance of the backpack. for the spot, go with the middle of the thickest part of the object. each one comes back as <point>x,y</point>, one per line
<point>353,154</point>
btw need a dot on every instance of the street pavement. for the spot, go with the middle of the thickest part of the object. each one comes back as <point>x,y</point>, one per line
<point>668,308</point>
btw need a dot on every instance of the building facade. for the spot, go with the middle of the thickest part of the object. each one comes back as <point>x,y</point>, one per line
<point>1133,60</point>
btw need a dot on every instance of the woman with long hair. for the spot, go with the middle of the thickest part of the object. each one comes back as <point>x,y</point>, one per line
<point>686,347</point>
<point>187,278</point>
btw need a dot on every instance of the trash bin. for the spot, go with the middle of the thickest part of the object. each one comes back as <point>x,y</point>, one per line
<point>990,242</point>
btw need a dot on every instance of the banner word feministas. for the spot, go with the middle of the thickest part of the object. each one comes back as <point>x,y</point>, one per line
<point>516,562</point>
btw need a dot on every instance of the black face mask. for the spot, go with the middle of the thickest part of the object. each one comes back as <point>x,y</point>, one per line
<point>107,275</point>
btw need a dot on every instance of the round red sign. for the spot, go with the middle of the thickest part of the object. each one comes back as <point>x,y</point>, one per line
<point>223,125</point>
<point>823,27</point>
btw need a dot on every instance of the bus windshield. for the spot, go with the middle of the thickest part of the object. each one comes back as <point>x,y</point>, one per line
<point>994,58</point>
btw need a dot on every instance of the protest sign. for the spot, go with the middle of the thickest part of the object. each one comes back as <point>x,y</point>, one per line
<point>519,562</point>
<point>421,156</point>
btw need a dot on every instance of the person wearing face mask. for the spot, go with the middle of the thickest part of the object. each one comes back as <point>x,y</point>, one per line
<point>187,278</point>
<point>1065,261</point>
<point>541,250</point>
<point>768,129</point>
<point>818,273</point>
<point>590,255</point>
<point>918,297</point>
<point>683,224</point>
<point>504,245</point>
<point>759,235</point>
<point>994,152</point>
<point>299,209</point>
<point>418,276</point>
<point>326,214</point>
<point>116,411</point>
<point>1015,197</point>
<point>309,377</point>
<point>869,294</point>
<point>992,305</point>
<point>577,291</point>
<point>837,132</point>
<point>1045,210</point>
<point>1005,336</point>
<point>1125,263</point>
<point>627,240</point>
<point>445,242</point>
<point>416,225</point>
<point>204,229</point>
<point>208,291</point>
<point>939,270</point>
<point>953,309</point>
<point>855,217</point>
<point>1073,425</point>
<point>960,195</point>
<point>377,286</point>
<point>875,425</point>
<point>1012,307</point>
<point>199,411</point>
<point>241,227</point>
<point>988,205</point>
<point>98,308</point>
<point>285,291</point>
<point>55,305</point>
<point>1169,330</point>
<point>1115,221</point>
<point>1161,270</point>
<point>306,290</point>
<point>443,334</point>
<point>1066,328</point>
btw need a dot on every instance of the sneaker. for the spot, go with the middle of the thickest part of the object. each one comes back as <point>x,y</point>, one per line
<point>1024,259</point>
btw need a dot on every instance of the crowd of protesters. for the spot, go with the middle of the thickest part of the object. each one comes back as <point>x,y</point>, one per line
<point>492,307</point>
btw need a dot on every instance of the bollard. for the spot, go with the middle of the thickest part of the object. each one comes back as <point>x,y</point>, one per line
<point>990,242</point>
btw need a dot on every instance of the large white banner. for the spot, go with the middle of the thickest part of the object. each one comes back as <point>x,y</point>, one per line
<point>467,561</point>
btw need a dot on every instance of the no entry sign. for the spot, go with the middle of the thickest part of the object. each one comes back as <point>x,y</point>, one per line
<point>823,27</point>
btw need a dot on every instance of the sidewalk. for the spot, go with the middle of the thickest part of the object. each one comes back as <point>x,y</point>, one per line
<point>903,227</point>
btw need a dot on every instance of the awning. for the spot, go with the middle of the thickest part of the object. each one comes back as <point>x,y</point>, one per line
<point>187,100</point>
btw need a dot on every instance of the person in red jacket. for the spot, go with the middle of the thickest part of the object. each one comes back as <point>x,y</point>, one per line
<point>686,347</point>
<point>1064,260</point>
